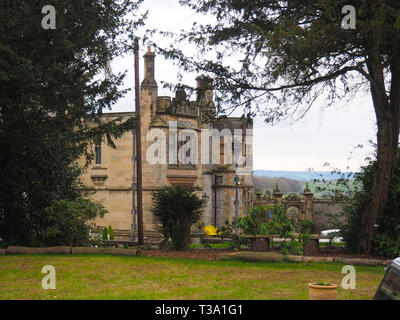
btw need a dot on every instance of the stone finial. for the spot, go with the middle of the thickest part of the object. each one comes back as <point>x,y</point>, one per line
<point>277,193</point>
<point>307,190</point>
<point>258,194</point>
<point>180,94</point>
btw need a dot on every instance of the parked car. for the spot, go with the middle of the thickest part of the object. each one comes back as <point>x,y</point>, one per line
<point>389,288</point>
<point>333,234</point>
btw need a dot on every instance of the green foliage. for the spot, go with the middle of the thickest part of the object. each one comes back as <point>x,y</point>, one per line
<point>322,283</point>
<point>254,222</point>
<point>105,233</point>
<point>307,226</point>
<point>279,224</point>
<point>387,244</point>
<point>71,222</point>
<point>386,241</point>
<point>110,231</point>
<point>53,88</point>
<point>291,247</point>
<point>257,222</point>
<point>177,208</point>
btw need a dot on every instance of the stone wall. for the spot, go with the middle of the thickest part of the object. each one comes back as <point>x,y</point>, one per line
<point>322,212</point>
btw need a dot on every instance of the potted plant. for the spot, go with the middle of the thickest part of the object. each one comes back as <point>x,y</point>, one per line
<point>321,290</point>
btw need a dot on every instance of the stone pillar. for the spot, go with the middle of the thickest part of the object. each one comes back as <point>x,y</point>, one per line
<point>277,194</point>
<point>309,202</point>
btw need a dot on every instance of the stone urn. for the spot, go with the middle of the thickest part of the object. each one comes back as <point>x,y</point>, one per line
<point>322,291</point>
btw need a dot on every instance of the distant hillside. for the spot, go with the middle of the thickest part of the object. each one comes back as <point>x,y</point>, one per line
<point>297,175</point>
<point>285,185</point>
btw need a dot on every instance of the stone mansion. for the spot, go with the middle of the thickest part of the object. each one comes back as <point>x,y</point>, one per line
<point>111,173</point>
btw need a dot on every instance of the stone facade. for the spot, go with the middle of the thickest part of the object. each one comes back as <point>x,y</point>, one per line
<point>111,173</point>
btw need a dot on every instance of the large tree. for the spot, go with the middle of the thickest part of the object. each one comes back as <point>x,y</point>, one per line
<point>278,57</point>
<point>52,89</point>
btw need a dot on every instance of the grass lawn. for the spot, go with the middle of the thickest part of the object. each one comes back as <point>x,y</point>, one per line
<point>112,277</point>
<point>222,245</point>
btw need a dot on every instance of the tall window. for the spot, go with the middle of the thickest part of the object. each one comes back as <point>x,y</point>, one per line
<point>97,150</point>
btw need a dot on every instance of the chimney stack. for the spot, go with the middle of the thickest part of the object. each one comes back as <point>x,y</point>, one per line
<point>149,89</point>
<point>149,80</point>
<point>204,86</point>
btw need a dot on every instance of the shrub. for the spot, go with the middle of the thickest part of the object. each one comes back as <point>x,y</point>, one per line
<point>177,209</point>
<point>292,247</point>
<point>228,231</point>
<point>254,222</point>
<point>386,244</point>
<point>70,222</point>
<point>105,233</point>
<point>110,231</point>
<point>307,226</point>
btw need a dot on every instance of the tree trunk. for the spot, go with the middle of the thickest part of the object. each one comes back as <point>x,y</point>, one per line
<point>387,110</point>
<point>386,157</point>
<point>311,248</point>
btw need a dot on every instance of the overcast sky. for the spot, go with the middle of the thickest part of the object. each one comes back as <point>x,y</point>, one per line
<point>323,135</point>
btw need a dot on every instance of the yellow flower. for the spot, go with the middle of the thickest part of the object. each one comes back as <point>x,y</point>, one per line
<point>210,230</point>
